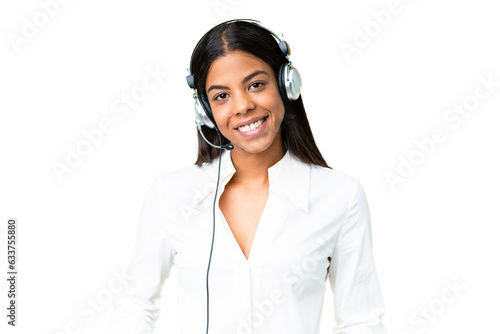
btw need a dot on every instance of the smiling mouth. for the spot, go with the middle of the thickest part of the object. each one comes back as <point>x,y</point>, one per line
<point>253,126</point>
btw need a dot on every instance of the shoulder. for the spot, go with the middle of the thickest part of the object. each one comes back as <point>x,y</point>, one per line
<point>333,180</point>
<point>328,186</point>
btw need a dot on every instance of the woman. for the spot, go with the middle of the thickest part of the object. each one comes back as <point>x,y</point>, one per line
<point>254,255</point>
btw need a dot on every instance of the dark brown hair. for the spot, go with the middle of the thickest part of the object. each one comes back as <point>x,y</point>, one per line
<point>251,38</point>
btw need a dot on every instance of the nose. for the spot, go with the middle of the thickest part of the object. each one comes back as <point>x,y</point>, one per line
<point>242,103</point>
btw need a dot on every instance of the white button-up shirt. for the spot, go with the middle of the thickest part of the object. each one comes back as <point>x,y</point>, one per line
<point>315,224</point>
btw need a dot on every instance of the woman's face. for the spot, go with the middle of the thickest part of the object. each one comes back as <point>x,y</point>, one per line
<point>242,90</point>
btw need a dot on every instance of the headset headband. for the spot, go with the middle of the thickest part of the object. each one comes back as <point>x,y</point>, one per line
<point>283,45</point>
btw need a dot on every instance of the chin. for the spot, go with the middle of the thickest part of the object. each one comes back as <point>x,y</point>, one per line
<point>251,150</point>
<point>254,147</point>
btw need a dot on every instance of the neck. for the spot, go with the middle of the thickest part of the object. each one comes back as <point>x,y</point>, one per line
<point>251,168</point>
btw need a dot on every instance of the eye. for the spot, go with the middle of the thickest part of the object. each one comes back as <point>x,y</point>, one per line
<point>257,84</point>
<point>221,95</point>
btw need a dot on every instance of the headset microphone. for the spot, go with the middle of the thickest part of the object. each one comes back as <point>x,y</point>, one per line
<point>225,147</point>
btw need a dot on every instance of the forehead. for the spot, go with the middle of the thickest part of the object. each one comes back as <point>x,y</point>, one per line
<point>235,65</point>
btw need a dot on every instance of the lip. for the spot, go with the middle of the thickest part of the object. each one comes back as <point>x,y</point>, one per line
<point>248,122</point>
<point>255,132</point>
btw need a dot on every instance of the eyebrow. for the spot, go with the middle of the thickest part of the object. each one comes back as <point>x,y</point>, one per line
<point>248,77</point>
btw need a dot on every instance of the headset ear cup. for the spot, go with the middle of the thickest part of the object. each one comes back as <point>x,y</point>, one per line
<point>293,83</point>
<point>209,119</point>
<point>281,82</point>
<point>289,82</point>
<point>201,116</point>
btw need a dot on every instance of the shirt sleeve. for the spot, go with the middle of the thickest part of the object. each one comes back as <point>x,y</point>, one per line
<point>135,305</point>
<point>358,303</point>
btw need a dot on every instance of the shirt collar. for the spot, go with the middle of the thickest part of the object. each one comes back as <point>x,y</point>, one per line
<point>289,176</point>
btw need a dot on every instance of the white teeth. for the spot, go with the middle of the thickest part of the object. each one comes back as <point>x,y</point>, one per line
<point>253,126</point>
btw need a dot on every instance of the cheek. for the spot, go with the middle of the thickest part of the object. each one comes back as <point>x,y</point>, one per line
<point>274,103</point>
<point>220,114</point>
<point>278,108</point>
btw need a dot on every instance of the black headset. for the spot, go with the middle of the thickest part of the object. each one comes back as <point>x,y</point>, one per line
<point>289,80</point>
<point>289,85</point>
